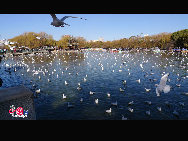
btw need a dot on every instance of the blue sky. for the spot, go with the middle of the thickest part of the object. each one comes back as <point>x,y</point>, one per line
<point>108,26</point>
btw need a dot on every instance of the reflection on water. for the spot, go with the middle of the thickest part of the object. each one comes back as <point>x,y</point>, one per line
<point>103,73</point>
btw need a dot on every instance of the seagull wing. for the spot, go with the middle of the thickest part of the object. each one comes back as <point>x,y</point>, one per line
<point>157,92</point>
<point>163,80</point>
<point>66,24</point>
<point>79,18</point>
<point>65,18</point>
<point>166,89</point>
<point>53,16</point>
<point>70,17</point>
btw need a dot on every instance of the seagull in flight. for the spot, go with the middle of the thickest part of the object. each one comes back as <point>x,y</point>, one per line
<point>60,22</point>
<point>162,87</point>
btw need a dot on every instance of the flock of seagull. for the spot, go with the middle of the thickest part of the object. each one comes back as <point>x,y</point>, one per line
<point>99,59</point>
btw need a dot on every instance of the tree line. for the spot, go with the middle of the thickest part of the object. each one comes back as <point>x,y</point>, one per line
<point>162,40</point>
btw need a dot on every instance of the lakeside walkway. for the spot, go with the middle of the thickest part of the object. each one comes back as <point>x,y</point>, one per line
<point>26,53</point>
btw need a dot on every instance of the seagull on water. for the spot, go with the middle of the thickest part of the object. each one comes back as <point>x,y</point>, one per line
<point>66,83</point>
<point>159,109</point>
<point>109,111</point>
<point>148,113</point>
<point>138,80</point>
<point>123,118</point>
<point>81,100</point>
<point>70,105</point>
<point>114,103</point>
<point>108,94</point>
<point>131,103</point>
<point>85,79</point>
<point>148,102</point>
<point>79,88</point>
<point>175,113</point>
<point>124,82</point>
<point>91,93</point>
<point>79,84</point>
<point>184,93</point>
<point>96,101</point>
<point>181,103</point>
<point>178,85</point>
<point>37,91</point>
<point>64,97</point>
<point>121,90</point>
<point>60,22</point>
<point>130,109</point>
<point>147,90</point>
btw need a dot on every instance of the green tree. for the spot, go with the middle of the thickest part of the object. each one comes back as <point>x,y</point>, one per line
<point>81,42</point>
<point>29,39</point>
<point>180,38</point>
<point>64,41</point>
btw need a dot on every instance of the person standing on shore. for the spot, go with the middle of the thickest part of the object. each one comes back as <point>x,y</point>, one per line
<point>5,50</point>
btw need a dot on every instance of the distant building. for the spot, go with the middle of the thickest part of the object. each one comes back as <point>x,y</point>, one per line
<point>6,42</point>
<point>100,39</point>
<point>1,42</point>
<point>2,45</point>
<point>67,36</point>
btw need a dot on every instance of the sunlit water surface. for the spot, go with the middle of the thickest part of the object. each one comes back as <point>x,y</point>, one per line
<point>104,73</point>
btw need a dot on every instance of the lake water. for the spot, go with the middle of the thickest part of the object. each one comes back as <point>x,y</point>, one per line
<point>104,73</point>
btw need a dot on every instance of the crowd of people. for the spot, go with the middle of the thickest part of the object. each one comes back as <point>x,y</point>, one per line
<point>3,51</point>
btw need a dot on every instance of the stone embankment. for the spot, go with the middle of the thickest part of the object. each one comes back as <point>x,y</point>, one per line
<point>18,96</point>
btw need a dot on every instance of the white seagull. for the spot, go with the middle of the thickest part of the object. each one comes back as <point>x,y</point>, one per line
<point>138,80</point>
<point>64,97</point>
<point>49,80</point>
<point>148,113</point>
<point>91,93</point>
<point>147,90</point>
<point>131,103</point>
<point>159,109</point>
<point>79,88</point>
<point>60,22</point>
<point>85,79</point>
<point>66,83</point>
<point>96,101</point>
<point>121,90</point>
<point>81,100</point>
<point>130,109</point>
<point>109,111</point>
<point>79,84</point>
<point>108,94</point>
<point>162,87</point>
<point>37,91</point>
<point>124,82</point>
